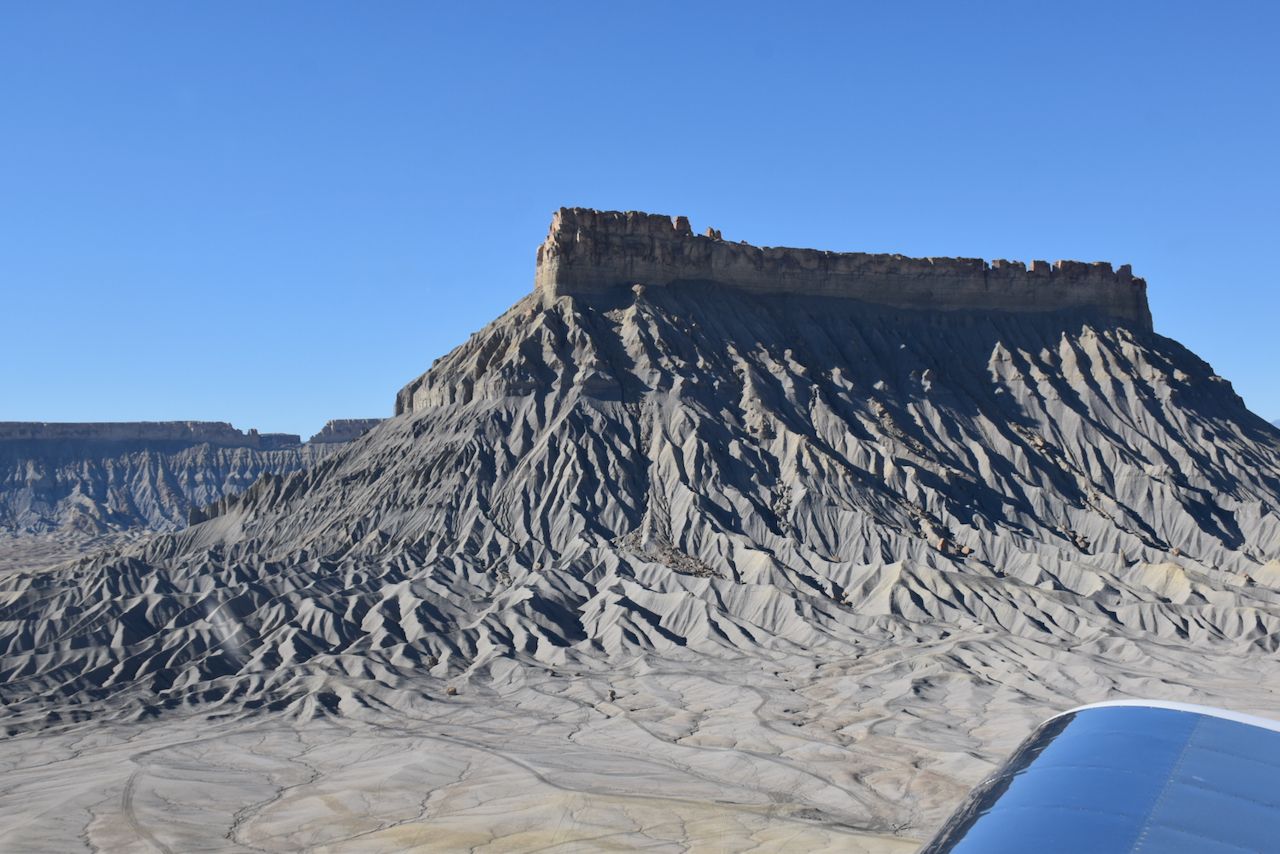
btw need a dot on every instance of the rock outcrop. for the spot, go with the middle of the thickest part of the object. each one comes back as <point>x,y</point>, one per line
<point>592,252</point>
<point>343,430</point>
<point>95,478</point>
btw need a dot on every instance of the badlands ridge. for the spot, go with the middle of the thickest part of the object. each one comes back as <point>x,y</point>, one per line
<point>699,545</point>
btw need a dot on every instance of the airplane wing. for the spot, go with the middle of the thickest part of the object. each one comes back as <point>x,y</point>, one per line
<point>1129,777</point>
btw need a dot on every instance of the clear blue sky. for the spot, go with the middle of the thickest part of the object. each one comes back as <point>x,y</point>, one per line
<point>277,213</point>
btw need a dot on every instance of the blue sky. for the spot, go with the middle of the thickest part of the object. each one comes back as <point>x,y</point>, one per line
<point>277,213</point>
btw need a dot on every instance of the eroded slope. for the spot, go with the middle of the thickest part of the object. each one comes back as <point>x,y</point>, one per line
<point>866,548</point>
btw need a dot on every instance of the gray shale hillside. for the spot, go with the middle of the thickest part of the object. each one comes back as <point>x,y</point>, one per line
<point>644,453</point>
<point>954,496</point>
<point>102,477</point>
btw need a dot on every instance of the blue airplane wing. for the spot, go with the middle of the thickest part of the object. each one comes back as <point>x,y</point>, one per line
<point>1129,778</point>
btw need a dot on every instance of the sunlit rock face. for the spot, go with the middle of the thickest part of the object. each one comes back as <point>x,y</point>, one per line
<point>592,252</point>
<point>698,545</point>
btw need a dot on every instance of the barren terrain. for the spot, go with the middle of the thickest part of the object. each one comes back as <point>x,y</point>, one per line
<point>672,568</point>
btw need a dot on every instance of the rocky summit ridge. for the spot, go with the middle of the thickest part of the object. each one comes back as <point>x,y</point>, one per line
<point>589,251</point>
<point>740,548</point>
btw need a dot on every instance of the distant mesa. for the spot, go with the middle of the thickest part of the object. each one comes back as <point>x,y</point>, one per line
<point>591,252</point>
<point>218,433</point>
<point>99,477</point>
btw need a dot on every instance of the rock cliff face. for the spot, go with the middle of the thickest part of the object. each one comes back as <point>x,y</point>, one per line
<point>710,549</point>
<point>591,252</point>
<point>343,430</point>
<point>95,478</point>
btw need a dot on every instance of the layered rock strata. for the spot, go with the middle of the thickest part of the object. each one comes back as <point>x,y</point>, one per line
<point>95,478</point>
<point>592,252</point>
<point>343,430</point>
<point>217,433</point>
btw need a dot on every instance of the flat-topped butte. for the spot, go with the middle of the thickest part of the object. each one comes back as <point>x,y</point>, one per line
<point>592,252</point>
